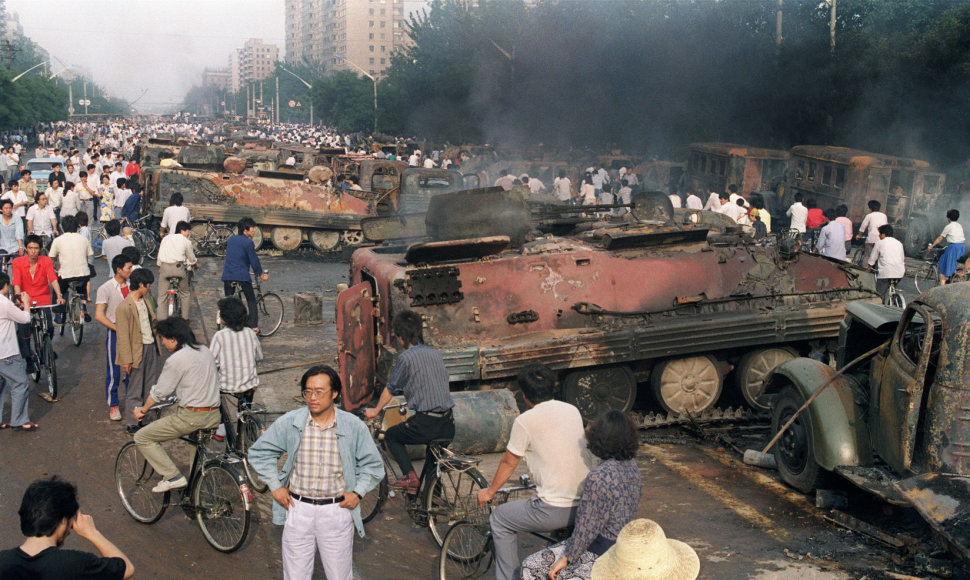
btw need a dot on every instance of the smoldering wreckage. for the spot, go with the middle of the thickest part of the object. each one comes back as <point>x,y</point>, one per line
<point>647,309</point>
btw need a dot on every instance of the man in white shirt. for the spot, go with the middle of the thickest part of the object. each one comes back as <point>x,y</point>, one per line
<point>122,193</point>
<point>694,202</point>
<point>18,198</point>
<point>890,258</point>
<point>40,218</point>
<point>563,187</point>
<point>713,202</point>
<point>13,370</point>
<point>175,256</point>
<point>535,186</point>
<point>798,214</point>
<point>551,438</point>
<point>730,209</point>
<point>109,296</point>
<point>870,225</point>
<point>113,245</point>
<point>675,200</point>
<point>72,250</point>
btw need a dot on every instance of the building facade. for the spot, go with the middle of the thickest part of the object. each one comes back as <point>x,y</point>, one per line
<point>255,61</point>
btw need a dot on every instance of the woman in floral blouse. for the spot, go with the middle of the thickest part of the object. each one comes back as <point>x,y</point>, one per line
<point>609,501</point>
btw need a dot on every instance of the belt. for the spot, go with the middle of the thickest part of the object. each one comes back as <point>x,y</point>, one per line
<point>312,501</point>
<point>435,413</point>
<point>201,409</point>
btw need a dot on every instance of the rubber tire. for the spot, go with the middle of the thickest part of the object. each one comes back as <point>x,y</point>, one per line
<point>372,503</point>
<point>896,300</point>
<point>251,429</point>
<point>51,368</point>
<point>795,450</point>
<point>927,277</point>
<point>656,384</point>
<point>595,390</point>
<point>746,369</point>
<point>270,307</point>
<point>129,461</point>
<point>221,476</point>
<point>460,556</point>
<point>77,326</point>
<point>217,241</point>
<point>461,486</point>
<point>35,352</point>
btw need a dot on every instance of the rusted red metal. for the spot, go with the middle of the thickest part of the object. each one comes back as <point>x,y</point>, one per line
<point>355,344</point>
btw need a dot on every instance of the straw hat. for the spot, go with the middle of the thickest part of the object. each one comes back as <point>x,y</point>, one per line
<point>642,552</point>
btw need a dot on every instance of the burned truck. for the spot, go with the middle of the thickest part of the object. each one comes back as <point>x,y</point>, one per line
<point>621,313</point>
<point>288,209</point>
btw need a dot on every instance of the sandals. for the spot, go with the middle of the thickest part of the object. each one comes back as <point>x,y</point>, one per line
<point>27,427</point>
<point>4,426</point>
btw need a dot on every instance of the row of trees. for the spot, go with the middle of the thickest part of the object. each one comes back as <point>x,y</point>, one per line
<point>653,75</point>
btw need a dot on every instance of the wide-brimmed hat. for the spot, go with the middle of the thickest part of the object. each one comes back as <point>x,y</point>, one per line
<point>643,552</point>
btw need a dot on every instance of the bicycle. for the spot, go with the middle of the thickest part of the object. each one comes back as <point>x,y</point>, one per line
<point>212,239</point>
<point>75,311</point>
<point>41,349</point>
<point>269,306</point>
<point>928,274</point>
<point>468,551</point>
<point>142,236</point>
<point>217,497</point>
<point>894,297</point>
<point>241,436</point>
<point>447,481</point>
<point>172,302</point>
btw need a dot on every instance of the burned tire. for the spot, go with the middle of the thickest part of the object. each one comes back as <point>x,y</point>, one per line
<point>595,391</point>
<point>687,385</point>
<point>795,449</point>
<point>754,368</point>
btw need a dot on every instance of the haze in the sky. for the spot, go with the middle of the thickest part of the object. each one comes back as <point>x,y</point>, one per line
<point>162,46</point>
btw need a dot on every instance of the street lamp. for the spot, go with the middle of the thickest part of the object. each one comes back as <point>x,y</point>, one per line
<point>308,86</point>
<point>17,78</point>
<point>365,73</point>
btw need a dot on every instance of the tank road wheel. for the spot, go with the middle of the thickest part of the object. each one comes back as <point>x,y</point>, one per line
<point>795,450</point>
<point>596,390</point>
<point>286,239</point>
<point>258,237</point>
<point>687,384</point>
<point>352,237</point>
<point>325,240</point>
<point>753,370</point>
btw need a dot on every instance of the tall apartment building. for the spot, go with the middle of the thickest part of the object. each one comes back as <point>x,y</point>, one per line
<point>253,62</point>
<point>338,34</point>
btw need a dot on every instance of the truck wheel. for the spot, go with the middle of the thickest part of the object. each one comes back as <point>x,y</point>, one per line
<point>325,240</point>
<point>258,237</point>
<point>596,390</point>
<point>795,450</point>
<point>352,237</point>
<point>690,384</point>
<point>286,239</point>
<point>753,369</point>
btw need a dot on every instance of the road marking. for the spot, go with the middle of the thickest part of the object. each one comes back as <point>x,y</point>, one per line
<point>720,494</point>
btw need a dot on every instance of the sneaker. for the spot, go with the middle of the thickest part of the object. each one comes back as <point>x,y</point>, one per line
<point>114,414</point>
<point>409,482</point>
<point>169,484</point>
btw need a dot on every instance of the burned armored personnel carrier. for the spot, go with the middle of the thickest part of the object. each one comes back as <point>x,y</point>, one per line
<point>633,311</point>
<point>287,208</point>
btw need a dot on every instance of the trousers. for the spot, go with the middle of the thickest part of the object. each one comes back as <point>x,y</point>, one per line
<point>172,426</point>
<point>328,528</point>
<point>418,429</point>
<point>112,377</point>
<point>141,379</point>
<point>528,515</point>
<point>13,379</point>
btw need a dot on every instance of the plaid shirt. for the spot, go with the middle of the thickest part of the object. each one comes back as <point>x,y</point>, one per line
<point>317,472</point>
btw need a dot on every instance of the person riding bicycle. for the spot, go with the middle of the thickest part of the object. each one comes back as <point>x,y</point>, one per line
<point>190,374</point>
<point>240,257</point>
<point>72,252</point>
<point>174,214</point>
<point>953,234</point>
<point>551,438</point>
<point>889,257</point>
<point>419,374</point>
<point>236,350</point>
<point>34,274</point>
<point>174,256</point>
<point>11,231</point>
<point>870,226</point>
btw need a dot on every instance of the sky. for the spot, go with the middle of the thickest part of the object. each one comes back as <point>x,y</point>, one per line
<point>162,46</point>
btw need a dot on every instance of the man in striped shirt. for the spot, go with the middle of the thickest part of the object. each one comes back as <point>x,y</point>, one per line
<point>420,375</point>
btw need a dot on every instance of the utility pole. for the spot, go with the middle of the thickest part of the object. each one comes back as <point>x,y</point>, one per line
<point>276,107</point>
<point>778,27</point>
<point>832,27</point>
<point>247,102</point>
<point>85,97</point>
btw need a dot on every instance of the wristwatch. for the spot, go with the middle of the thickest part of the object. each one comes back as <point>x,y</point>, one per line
<point>359,497</point>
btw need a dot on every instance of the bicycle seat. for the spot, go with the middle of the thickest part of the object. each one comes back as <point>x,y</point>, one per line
<point>200,436</point>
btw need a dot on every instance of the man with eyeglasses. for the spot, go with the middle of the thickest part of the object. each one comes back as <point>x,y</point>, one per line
<point>331,463</point>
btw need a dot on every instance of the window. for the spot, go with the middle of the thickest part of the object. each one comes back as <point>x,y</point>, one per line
<point>370,24</point>
<point>371,61</point>
<point>383,61</point>
<point>383,23</point>
<point>383,49</point>
<point>827,174</point>
<point>371,48</point>
<point>811,171</point>
<point>383,36</point>
<point>371,36</point>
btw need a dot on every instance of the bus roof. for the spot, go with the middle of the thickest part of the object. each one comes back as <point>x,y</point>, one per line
<point>856,157</point>
<point>735,150</point>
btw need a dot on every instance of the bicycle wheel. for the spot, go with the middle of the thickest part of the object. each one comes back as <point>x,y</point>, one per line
<point>172,305</point>
<point>50,363</point>
<point>270,309</point>
<point>134,480</point>
<point>928,276</point>
<point>96,246</point>
<point>896,299</point>
<point>76,315</point>
<point>250,430</point>
<point>466,552</point>
<point>151,243</point>
<point>221,506</point>
<point>35,355</point>
<point>216,240</point>
<point>450,497</point>
<point>374,501</point>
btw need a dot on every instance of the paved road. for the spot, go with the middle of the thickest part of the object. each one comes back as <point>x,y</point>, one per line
<point>741,521</point>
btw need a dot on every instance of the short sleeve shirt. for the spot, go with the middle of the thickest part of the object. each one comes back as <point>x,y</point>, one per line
<point>59,564</point>
<point>111,294</point>
<point>953,233</point>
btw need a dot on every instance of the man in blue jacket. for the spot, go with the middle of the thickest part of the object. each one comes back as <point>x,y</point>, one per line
<point>240,257</point>
<point>331,463</point>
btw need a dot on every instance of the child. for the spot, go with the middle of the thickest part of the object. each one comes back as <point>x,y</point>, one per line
<point>236,350</point>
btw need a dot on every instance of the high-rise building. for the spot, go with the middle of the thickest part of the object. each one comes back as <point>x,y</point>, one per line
<point>253,62</point>
<point>218,78</point>
<point>346,34</point>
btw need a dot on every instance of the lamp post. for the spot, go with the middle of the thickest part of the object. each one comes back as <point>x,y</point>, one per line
<point>308,86</point>
<point>17,78</point>
<point>373,80</point>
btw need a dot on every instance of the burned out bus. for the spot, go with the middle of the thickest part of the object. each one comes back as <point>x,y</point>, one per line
<point>714,166</point>
<point>910,193</point>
